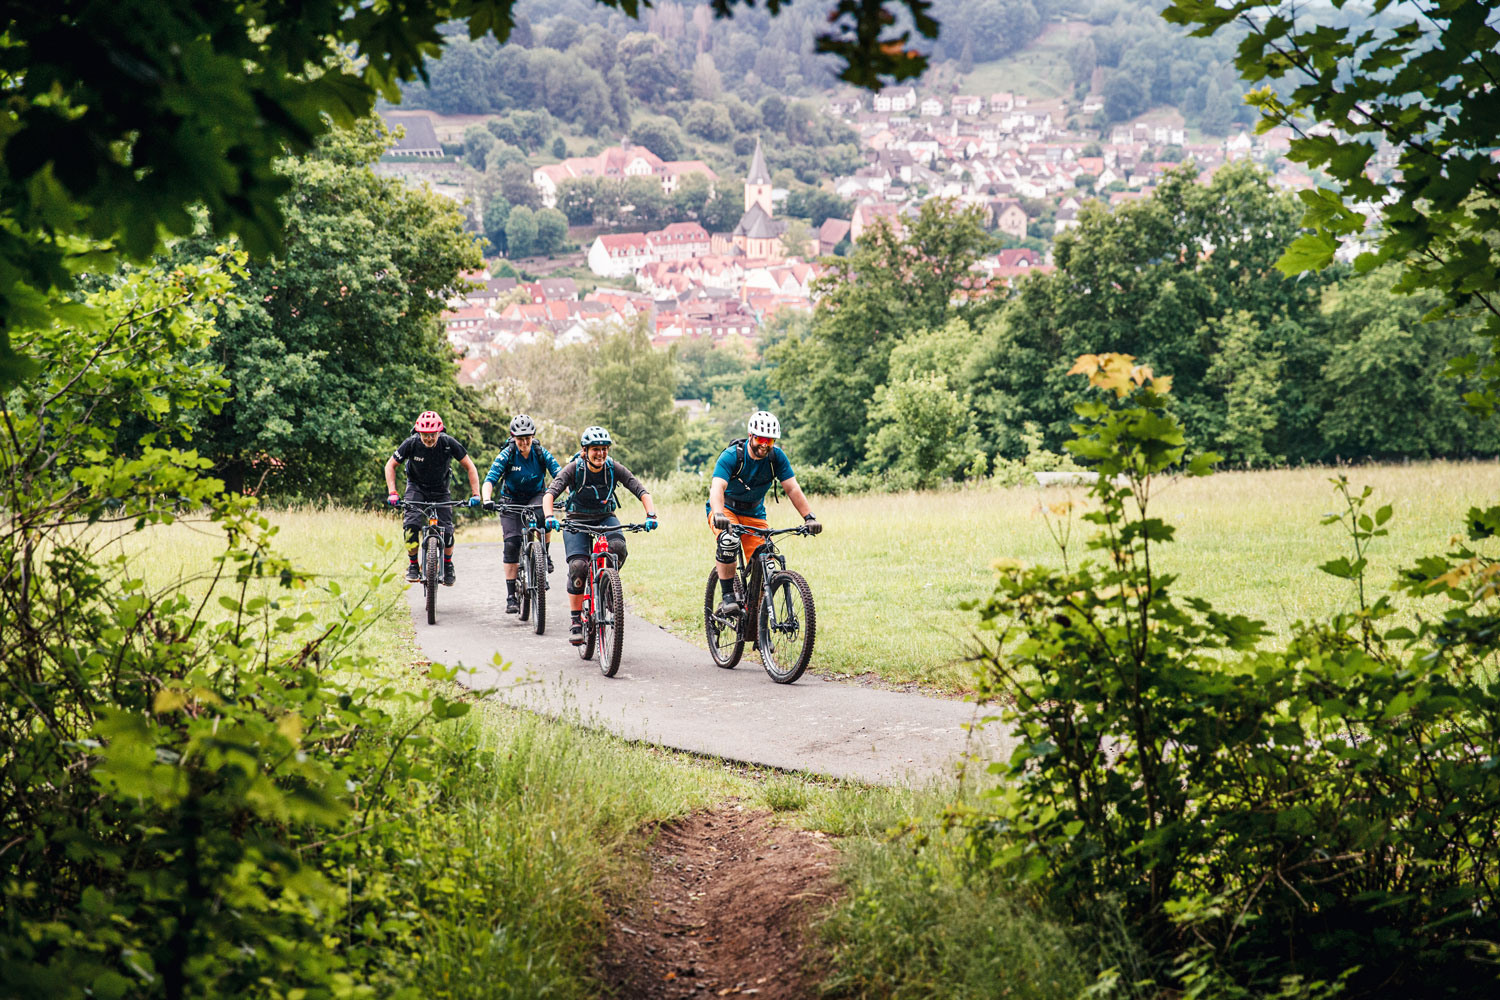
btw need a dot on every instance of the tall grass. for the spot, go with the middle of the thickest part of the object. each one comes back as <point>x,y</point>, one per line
<point>889,572</point>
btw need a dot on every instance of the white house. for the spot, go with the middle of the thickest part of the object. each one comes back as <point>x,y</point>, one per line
<point>621,254</point>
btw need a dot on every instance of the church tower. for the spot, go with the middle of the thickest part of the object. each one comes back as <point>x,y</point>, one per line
<point>758,183</point>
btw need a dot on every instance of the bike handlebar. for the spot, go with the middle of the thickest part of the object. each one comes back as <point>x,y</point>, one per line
<point>746,529</point>
<point>597,530</point>
<point>423,504</point>
<point>520,509</point>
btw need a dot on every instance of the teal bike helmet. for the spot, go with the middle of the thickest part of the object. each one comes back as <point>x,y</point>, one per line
<point>594,436</point>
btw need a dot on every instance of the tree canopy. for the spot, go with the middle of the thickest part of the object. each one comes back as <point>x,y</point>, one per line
<point>1416,79</point>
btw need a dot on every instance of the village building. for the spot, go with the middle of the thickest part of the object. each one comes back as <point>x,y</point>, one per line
<point>758,235</point>
<point>618,163</point>
<point>420,140</point>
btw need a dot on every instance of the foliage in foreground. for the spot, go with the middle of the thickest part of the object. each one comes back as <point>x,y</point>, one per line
<point>1314,819</point>
<point>203,793</point>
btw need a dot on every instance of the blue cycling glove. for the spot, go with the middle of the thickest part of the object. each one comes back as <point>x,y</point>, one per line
<point>474,500</point>
<point>553,524</point>
<point>650,522</point>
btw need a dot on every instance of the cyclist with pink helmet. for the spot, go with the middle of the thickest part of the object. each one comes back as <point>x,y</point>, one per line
<point>426,456</point>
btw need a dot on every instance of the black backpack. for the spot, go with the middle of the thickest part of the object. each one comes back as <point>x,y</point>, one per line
<point>740,449</point>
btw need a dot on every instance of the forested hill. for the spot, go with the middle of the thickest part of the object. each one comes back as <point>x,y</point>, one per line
<point>595,69</point>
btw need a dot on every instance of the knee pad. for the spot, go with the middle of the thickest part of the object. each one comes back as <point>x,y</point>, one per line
<point>578,571</point>
<point>512,548</point>
<point>411,536</point>
<point>727,547</point>
<point>448,536</point>
<point>617,546</point>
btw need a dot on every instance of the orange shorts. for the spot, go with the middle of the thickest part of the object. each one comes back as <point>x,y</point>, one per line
<point>748,543</point>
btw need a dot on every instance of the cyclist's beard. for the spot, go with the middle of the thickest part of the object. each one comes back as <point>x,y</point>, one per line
<point>758,452</point>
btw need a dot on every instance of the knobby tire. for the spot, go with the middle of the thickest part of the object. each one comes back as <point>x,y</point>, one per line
<point>537,571</point>
<point>610,614</point>
<point>432,558</point>
<point>788,626</point>
<point>725,639</point>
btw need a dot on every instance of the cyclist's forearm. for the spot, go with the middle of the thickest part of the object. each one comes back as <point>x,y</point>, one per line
<point>486,491</point>
<point>390,475</point>
<point>649,504</point>
<point>473,474</point>
<point>797,497</point>
<point>716,496</point>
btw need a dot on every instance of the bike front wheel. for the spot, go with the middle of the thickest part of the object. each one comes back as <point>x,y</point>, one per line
<point>609,616</point>
<point>432,565</point>
<point>788,625</point>
<point>536,586</point>
<point>726,643</point>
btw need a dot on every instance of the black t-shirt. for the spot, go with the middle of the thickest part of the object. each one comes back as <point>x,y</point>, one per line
<point>427,468</point>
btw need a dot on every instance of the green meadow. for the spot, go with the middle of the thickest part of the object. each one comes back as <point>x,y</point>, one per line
<point>890,572</point>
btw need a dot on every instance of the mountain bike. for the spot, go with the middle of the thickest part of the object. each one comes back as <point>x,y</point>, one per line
<point>776,610</point>
<point>603,616</point>
<point>531,574</point>
<point>430,549</point>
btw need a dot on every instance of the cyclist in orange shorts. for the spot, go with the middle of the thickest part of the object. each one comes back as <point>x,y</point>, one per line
<point>737,495</point>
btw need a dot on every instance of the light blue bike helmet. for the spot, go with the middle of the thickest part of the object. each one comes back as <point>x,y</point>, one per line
<point>594,436</point>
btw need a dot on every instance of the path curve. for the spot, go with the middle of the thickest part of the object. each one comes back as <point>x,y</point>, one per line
<point>670,693</point>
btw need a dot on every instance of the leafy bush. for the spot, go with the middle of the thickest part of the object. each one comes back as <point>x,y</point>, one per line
<point>1299,821</point>
<point>214,796</point>
<point>1018,472</point>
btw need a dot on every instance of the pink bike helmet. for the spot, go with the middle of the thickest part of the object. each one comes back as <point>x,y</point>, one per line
<point>428,423</point>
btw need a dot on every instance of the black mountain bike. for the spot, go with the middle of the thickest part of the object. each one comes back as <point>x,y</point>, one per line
<point>430,549</point>
<point>603,597</point>
<point>531,573</point>
<point>776,610</point>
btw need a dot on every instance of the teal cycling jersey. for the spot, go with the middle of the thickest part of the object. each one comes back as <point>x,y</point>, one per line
<point>524,476</point>
<point>748,479</point>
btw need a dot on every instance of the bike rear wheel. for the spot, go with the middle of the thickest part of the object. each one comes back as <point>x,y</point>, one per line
<point>725,642</point>
<point>590,617</point>
<point>788,625</point>
<point>536,572</point>
<point>432,576</point>
<point>609,618</point>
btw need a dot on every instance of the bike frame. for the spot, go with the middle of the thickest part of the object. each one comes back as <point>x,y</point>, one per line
<point>759,568</point>
<point>431,525</point>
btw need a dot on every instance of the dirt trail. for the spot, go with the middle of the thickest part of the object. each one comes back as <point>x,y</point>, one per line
<point>725,912</point>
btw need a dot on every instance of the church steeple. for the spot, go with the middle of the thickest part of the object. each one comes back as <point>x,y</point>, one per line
<point>758,183</point>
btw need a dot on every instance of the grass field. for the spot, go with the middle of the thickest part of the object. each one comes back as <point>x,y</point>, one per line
<point>889,572</point>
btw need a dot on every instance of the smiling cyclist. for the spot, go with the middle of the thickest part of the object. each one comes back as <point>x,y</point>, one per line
<point>521,469</point>
<point>742,475</point>
<point>591,479</point>
<point>426,455</point>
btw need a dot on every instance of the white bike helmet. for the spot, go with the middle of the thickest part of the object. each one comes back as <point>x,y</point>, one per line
<point>522,425</point>
<point>763,424</point>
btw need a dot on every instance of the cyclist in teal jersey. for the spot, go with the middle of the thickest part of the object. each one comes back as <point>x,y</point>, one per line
<point>521,469</point>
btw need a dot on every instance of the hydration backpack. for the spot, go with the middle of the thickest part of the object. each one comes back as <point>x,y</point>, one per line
<point>741,447</point>
<point>580,472</point>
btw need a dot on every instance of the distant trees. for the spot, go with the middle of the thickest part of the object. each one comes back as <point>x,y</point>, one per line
<point>900,371</point>
<point>339,341</point>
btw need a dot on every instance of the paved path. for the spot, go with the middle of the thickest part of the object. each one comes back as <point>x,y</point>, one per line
<point>669,691</point>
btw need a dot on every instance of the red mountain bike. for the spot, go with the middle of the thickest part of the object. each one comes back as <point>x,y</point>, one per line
<point>603,616</point>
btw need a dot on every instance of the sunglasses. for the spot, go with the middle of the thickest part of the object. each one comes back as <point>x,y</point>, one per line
<point>757,439</point>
